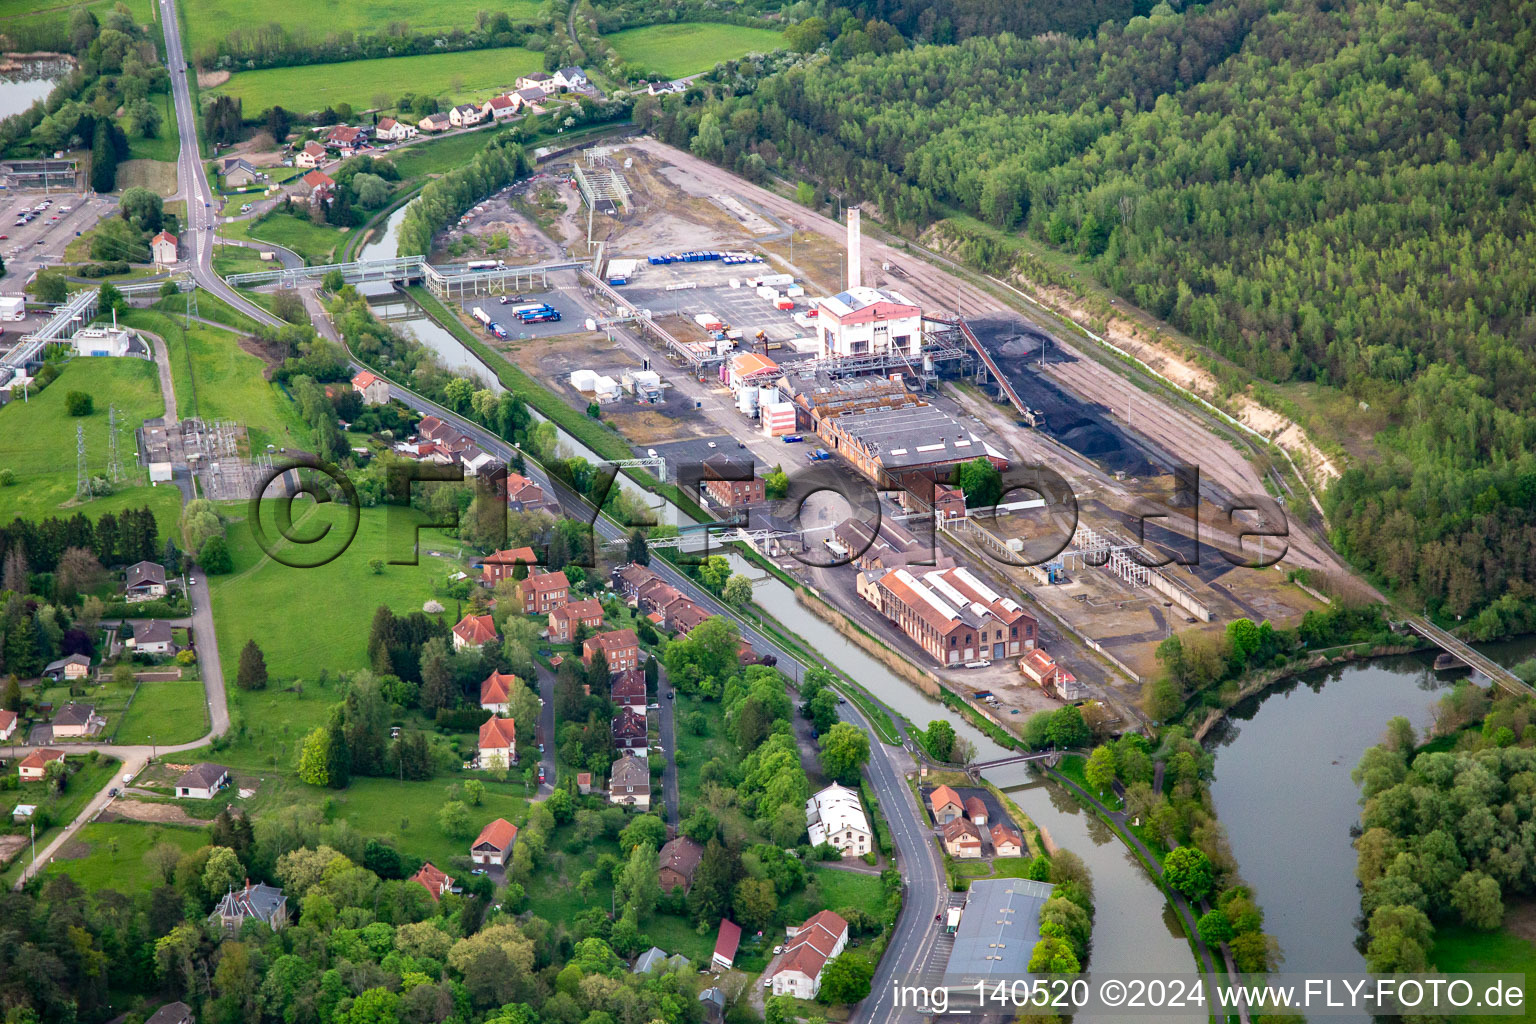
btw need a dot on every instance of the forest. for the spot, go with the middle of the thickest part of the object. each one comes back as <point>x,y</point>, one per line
<point>1317,191</point>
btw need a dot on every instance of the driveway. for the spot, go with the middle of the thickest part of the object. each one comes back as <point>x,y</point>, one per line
<point>666,721</point>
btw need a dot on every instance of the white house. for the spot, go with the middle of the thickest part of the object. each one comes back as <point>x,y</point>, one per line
<point>464,115</point>
<point>164,247</point>
<point>835,816</point>
<point>34,765</point>
<point>375,390</point>
<point>542,80</point>
<point>494,844</point>
<point>8,720</point>
<point>823,936</point>
<point>153,638</point>
<point>529,99</point>
<point>202,781</point>
<point>629,782</point>
<point>570,78</point>
<point>498,743</point>
<point>77,720</point>
<point>495,692</point>
<point>311,156</point>
<point>499,108</point>
<point>144,581</point>
<point>390,130</point>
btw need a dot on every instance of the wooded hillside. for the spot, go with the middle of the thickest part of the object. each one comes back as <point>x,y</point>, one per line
<point>1329,191</point>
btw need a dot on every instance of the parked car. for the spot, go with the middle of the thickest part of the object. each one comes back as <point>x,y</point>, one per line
<point>112,791</point>
<point>477,871</point>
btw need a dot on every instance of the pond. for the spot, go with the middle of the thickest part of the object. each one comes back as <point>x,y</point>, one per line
<point>1283,790</point>
<point>28,82</point>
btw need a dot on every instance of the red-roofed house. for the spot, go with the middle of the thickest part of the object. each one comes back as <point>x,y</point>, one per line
<point>312,155</point>
<point>823,936</point>
<point>164,247</point>
<point>375,390</point>
<point>541,593</point>
<point>474,631</point>
<point>495,692</point>
<point>34,764</point>
<point>8,721</point>
<point>628,690</point>
<point>494,843</point>
<point>946,805</point>
<point>499,565</point>
<point>434,881</point>
<point>1006,842</point>
<point>500,107</point>
<point>976,810</point>
<point>962,839</point>
<point>498,743</point>
<point>726,945</point>
<point>523,495</point>
<point>319,183</point>
<point>564,619</point>
<point>620,646</point>
<point>346,137</point>
<point>629,730</point>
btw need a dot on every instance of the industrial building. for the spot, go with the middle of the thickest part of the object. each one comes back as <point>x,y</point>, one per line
<point>998,929</point>
<point>905,446</point>
<point>953,616</point>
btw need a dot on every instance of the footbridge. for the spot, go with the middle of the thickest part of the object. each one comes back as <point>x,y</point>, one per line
<point>446,281</point>
<point>74,313</point>
<point>1480,664</point>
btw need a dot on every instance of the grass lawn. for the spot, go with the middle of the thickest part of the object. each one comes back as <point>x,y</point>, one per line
<point>166,146</point>
<point>317,243</point>
<point>110,855</point>
<point>1459,949</point>
<point>208,21</point>
<point>835,889</point>
<point>689,47</point>
<point>552,891</point>
<point>62,808</point>
<point>216,379</point>
<point>406,813</point>
<point>440,155</point>
<point>309,622</point>
<point>171,712</point>
<point>37,442</point>
<point>237,259</point>
<point>469,75</point>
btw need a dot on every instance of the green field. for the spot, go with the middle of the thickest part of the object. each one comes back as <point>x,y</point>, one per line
<point>84,784</point>
<point>308,622</point>
<point>379,807</point>
<point>165,146</point>
<point>110,855</point>
<point>216,379</point>
<point>1459,949</point>
<point>470,75</point>
<point>26,12</point>
<point>37,439</point>
<point>165,712</point>
<point>209,21</point>
<point>237,259</point>
<point>317,243</point>
<point>689,47</point>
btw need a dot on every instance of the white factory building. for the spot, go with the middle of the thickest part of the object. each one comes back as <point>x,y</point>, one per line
<point>102,341</point>
<point>866,321</point>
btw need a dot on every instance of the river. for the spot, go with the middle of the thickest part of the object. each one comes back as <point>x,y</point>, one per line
<point>1283,790</point>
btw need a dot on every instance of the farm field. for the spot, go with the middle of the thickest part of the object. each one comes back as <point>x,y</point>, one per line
<point>473,74</point>
<point>36,434</point>
<point>110,855</point>
<point>689,47</point>
<point>209,21</point>
<point>216,379</point>
<point>28,12</point>
<point>173,711</point>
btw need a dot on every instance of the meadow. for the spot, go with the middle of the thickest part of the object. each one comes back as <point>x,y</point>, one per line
<point>37,437</point>
<point>469,75</point>
<point>26,12</point>
<point>217,379</point>
<point>208,21</point>
<point>110,854</point>
<point>1459,949</point>
<point>165,712</point>
<point>689,47</point>
<point>316,243</point>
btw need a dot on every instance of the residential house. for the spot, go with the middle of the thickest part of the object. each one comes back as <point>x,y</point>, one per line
<point>32,767</point>
<point>541,593</point>
<point>727,942</point>
<point>946,805</point>
<point>629,782</point>
<point>962,839</point>
<point>259,902</point>
<point>153,637</point>
<point>529,101</point>
<point>375,390</point>
<point>163,246</point>
<point>823,936</point>
<point>523,495</point>
<point>629,730</point>
<point>835,817</point>
<point>630,578</point>
<point>435,123</point>
<point>494,844</point>
<point>731,483</point>
<point>976,810</point>
<point>583,783</point>
<point>948,502</point>
<point>665,88</point>
<point>74,721</point>
<point>311,156</point>
<point>620,646</point>
<point>238,171</point>
<point>474,631</point>
<point>390,130</point>
<point>346,138</point>
<point>144,581</point>
<point>499,108</point>
<point>682,616</point>
<point>540,80</point>
<point>495,691</point>
<point>8,720</point>
<point>655,959</point>
<point>1006,842</point>
<point>570,78</point>
<point>714,1004</point>
<point>172,1013</point>
<point>500,565</point>
<point>319,184</point>
<point>464,115</point>
<point>202,781</point>
<point>564,620</point>
<point>658,595</point>
<point>628,690</point>
<point>433,880</point>
<point>498,743</point>
<point>678,859</point>
<point>76,666</point>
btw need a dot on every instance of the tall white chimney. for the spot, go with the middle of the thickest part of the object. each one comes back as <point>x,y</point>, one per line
<point>854,260</point>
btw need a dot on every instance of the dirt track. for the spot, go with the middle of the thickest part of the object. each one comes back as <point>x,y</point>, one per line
<point>1176,432</point>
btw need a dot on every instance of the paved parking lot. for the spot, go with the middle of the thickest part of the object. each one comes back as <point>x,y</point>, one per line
<point>572,321</point>
<point>740,307</point>
<point>41,242</point>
